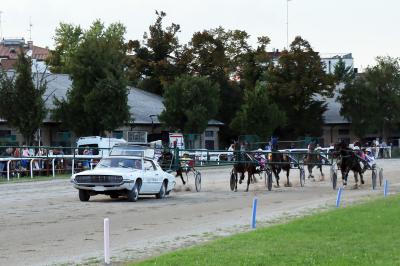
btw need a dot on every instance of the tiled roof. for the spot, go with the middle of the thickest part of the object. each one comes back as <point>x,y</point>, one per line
<point>11,52</point>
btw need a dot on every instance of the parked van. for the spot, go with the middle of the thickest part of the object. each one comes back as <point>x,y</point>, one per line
<point>95,145</point>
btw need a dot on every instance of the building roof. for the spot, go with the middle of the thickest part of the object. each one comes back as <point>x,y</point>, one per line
<point>10,48</point>
<point>145,106</point>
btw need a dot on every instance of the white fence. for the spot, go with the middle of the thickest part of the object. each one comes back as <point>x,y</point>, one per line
<point>53,158</point>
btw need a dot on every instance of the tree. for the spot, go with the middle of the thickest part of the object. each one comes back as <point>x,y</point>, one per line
<point>21,102</point>
<point>153,64</point>
<point>372,101</point>
<point>98,99</point>
<point>341,73</point>
<point>296,83</point>
<point>190,102</point>
<point>67,39</point>
<point>258,115</point>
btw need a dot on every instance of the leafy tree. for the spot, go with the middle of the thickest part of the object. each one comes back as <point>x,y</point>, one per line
<point>98,99</point>
<point>154,62</point>
<point>295,83</point>
<point>342,73</point>
<point>372,101</point>
<point>190,102</point>
<point>21,102</point>
<point>67,39</point>
<point>258,115</point>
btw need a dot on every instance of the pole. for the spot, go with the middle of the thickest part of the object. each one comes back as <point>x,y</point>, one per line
<point>385,188</point>
<point>107,241</point>
<point>287,24</point>
<point>254,214</point>
<point>339,195</point>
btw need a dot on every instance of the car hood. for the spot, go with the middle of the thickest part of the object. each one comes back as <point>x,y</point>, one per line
<point>109,171</point>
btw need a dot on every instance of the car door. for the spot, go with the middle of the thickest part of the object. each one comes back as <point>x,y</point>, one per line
<point>152,176</point>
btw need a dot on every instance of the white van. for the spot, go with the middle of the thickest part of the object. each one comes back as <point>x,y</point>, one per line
<point>97,145</point>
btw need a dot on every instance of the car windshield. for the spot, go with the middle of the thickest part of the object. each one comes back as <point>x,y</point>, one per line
<point>120,162</point>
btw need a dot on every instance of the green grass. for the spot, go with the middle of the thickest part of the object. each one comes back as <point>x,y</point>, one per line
<point>365,234</point>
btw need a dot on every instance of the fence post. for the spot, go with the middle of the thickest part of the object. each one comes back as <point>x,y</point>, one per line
<point>31,167</point>
<point>73,165</point>
<point>8,170</point>
<point>107,241</point>
<point>53,167</point>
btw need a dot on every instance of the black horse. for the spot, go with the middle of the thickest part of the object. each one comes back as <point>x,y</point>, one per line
<point>348,161</point>
<point>279,161</point>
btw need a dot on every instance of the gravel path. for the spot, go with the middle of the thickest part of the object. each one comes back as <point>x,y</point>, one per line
<point>44,223</point>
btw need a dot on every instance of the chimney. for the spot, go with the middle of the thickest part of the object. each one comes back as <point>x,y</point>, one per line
<point>30,45</point>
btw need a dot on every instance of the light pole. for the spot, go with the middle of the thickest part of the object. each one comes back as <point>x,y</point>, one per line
<point>152,123</point>
<point>287,24</point>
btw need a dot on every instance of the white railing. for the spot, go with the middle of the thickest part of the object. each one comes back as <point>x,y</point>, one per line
<point>32,159</point>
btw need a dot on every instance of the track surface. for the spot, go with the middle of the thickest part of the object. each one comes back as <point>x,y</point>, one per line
<point>44,223</point>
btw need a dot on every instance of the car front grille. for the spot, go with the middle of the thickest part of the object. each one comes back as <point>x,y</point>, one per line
<point>98,179</point>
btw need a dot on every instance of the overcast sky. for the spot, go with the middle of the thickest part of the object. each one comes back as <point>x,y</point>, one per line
<point>365,28</point>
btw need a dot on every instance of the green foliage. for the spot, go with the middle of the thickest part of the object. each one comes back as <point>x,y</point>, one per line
<point>342,73</point>
<point>372,101</point>
<point>295,83</point>
<point>67,39</point>
<point>98,99</point>
<point>190,102</point>
<point>21,102</point>
<point>154,63</point>
<point>367,234</point>
<point>258,115</point>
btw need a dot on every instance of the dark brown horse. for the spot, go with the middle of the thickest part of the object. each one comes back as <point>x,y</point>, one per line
<point>312,159</point>
<point>348,161</point>
<point>279,161</point>
<point>244,162</point>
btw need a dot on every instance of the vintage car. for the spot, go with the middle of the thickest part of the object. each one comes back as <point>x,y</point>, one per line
<point>124,175</point>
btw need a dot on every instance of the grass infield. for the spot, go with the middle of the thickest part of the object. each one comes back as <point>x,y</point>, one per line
<point>365,234</point>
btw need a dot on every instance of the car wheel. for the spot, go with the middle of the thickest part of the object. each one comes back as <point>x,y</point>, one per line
<point>134,193</point>
<point>84,195</point>
<point>162,192</point>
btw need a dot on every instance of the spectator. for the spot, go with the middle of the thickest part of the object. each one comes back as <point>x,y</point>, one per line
<point>230,152</point>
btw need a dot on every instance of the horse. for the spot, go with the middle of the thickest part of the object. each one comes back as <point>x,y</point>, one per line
<point>348,161</point>
<point>166,162</point>
<point>278,162</point>
<point>312,159</point>
<point>244,162</point>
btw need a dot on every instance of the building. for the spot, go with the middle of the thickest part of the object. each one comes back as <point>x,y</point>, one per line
<point>145,107</point>
<point>10,47</point>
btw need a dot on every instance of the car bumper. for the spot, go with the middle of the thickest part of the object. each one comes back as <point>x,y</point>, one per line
<point>125,185</point>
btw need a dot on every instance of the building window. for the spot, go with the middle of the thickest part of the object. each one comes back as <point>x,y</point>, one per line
<point>209,134</point>
<point>344,131</point>
<point>137,136</point>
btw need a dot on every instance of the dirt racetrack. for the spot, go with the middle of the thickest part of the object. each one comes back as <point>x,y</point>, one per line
<point>44,223</point>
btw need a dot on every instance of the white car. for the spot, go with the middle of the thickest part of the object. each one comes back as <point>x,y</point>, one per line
<point>129,176</point>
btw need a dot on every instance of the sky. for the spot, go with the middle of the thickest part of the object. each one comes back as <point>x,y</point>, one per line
<point>365,28</point>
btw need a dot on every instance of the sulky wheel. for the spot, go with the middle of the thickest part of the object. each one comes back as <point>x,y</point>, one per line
<point>373,178</point>
<point>334,180</point>
<point>232,181</point>
<point>380,176</point>
<point>197,181</point>
<point>302,177</point>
